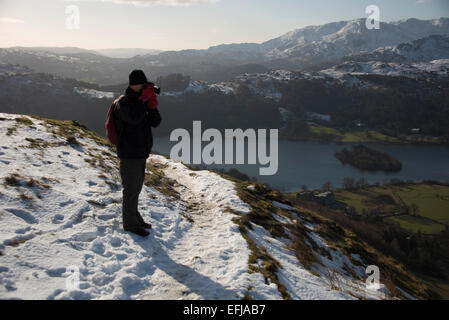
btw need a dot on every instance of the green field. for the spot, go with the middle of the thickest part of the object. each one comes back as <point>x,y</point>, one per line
<point>415,224</point>
<point>366,136</point>
<point>431,201</point>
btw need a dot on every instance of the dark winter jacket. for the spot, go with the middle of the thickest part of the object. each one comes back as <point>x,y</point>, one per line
<point>133,120</point>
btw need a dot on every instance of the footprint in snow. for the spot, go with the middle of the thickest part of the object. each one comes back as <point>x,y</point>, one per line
<point>116,242</point>
<point>56,272</point>
<point>65,203</point>
<point>71,166</point>
<point>23,230</point>
<point>24,215</point>
<point>106,217</point>
<point>3,269</point>
<point>58,218</point>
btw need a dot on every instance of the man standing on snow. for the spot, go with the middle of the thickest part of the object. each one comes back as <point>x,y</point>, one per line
<point>134,115</point>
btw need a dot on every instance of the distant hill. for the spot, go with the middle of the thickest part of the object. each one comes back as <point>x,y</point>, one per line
<point>433,47</point>
<point>57,50</point>
<point>308,47</point>
<point>127,52</point>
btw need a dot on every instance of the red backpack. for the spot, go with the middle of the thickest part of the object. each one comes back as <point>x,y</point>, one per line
<point>111,131</point>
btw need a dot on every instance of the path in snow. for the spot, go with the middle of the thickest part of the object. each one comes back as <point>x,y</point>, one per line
<point>211,256</point>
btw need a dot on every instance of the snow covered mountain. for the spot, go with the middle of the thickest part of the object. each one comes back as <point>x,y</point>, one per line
<point>426,58</point>
<point>330,42</point>
<point>213,237</point>
<point>126,53</point>
<point>435,69</point>
<point>333,41</point>
<point>298,49</point>
<point>434,47</point>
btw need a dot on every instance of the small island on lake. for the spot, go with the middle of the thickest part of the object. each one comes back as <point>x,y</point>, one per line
<point>367,159</point>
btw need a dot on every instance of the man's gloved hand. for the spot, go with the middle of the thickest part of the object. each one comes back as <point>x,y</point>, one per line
<point>147,93</point>
<point>149,97</point>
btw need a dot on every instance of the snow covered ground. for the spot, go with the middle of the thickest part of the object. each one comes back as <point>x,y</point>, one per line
<point>61,235</point>
<point>427,70</point>
<point>94,94</point>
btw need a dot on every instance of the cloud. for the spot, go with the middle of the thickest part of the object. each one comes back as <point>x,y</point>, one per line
<point>10,20</point>
<point>147,3</point>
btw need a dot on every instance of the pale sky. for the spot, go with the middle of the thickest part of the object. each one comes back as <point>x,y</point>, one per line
<point>185,24</point>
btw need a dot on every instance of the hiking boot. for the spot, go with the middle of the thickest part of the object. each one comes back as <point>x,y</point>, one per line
<point>142,223</point>
<point>147,225</point>
<point>139,231</point>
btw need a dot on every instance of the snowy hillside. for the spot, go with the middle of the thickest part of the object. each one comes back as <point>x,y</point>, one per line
<point>418,70</point>
<point>332,41</point>
<point>435,47</point>
<point>14,77</point>
<point>212,238</point>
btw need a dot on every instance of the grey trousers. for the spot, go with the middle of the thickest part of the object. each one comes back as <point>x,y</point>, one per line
<point>132,172</point>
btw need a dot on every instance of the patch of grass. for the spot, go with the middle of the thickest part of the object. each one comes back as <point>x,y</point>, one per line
<point>15,180</point>
<point>46,180</point>
<point>156,178</point>
<point>15,243</point>
<point>247,297</point>
<point>24,120</point>
<point>366,136</point>
<point>441,287</point>
<point>31,183</point>
<point>25,197</point>
<point>72,141</point>
<point>18,121</point>
<point>40,144</point>
<point>72,128</point>
<point>12,180</point>
<point>268,266</point>
<point>260,199</point>
<point>11,130</point>
<point>96,203</point>
<point>414,206</point>
<point>432,200</point>
<point>417,224</point>
<point>108,165</point>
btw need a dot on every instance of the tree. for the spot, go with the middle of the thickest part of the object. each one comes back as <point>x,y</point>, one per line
<point>327,186</point>
<point>362,182</point>
<point>414,209</point>
<point>348,183</point>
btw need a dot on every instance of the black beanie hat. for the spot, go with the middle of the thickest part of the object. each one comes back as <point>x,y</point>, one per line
<point>137,77</point>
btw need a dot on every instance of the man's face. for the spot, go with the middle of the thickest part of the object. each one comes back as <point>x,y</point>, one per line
<point>137,87</point>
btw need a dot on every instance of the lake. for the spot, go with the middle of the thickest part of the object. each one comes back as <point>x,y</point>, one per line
<point>313,164</point>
